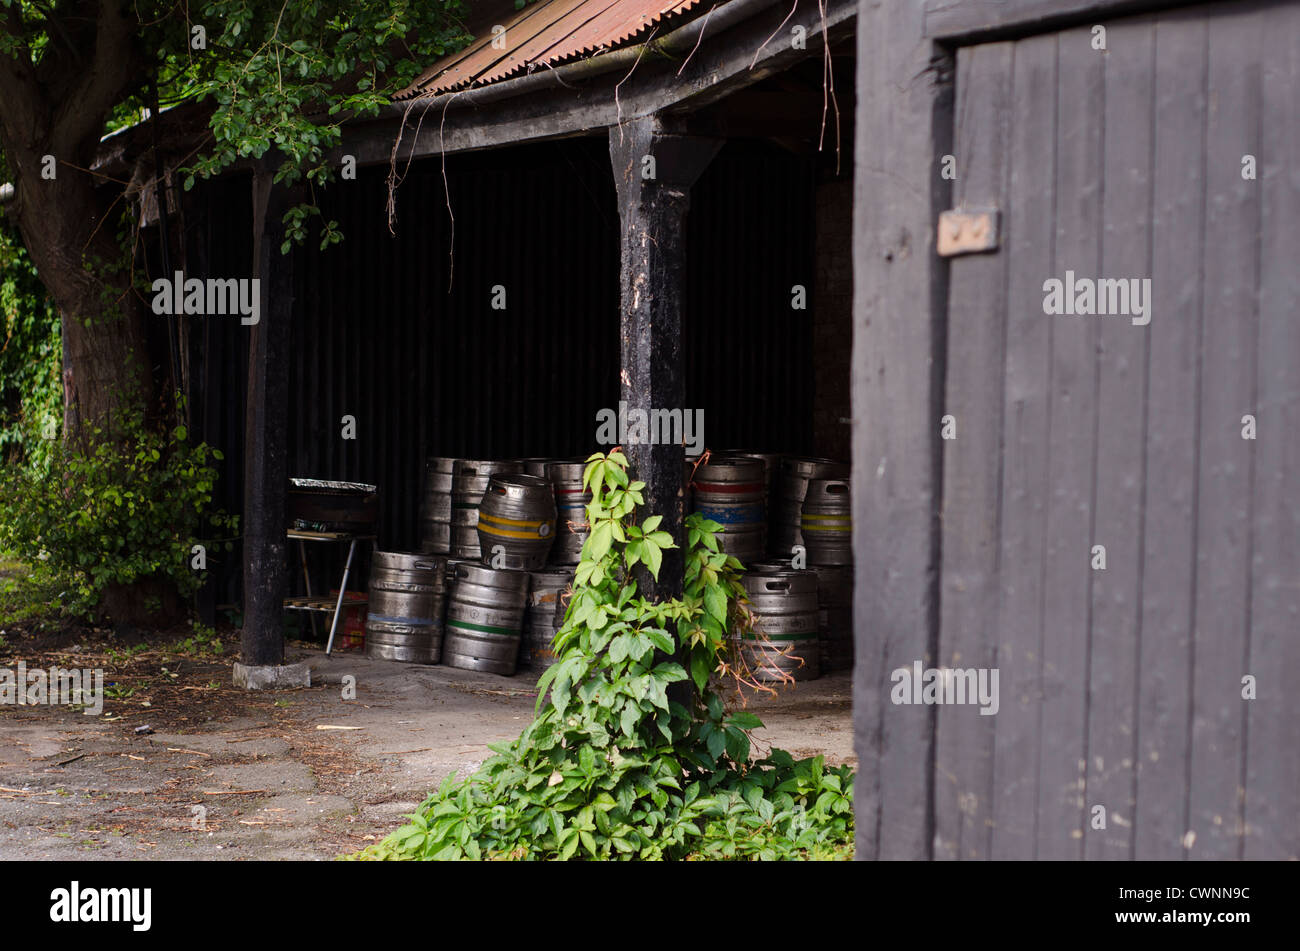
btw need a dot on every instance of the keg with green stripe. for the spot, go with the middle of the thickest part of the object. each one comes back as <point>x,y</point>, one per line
<point>544,617</point>
<point>407,597</point>
<point>571,501</point>
<point>784,641</point>
<point>730,490</point>
<point>516,521</point>
<point>469,482</point>
<point>786,509</point>
<point>485,618</point>
<point>435,505</point>
<point>827,522</point>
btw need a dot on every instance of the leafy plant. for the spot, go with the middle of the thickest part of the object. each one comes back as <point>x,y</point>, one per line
<point>31,349</point>
<point>624,759</point>
<point>129,504</point>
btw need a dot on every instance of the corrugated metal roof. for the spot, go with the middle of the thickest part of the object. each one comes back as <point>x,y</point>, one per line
<point>546,33</point>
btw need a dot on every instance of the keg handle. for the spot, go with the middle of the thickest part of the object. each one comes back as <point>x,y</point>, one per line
<point>838,488</point>
<point>497,488</point>
<point>426,564</point>
<point>777,585</point>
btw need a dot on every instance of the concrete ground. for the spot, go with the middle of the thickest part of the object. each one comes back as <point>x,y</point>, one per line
<point>293,774</point>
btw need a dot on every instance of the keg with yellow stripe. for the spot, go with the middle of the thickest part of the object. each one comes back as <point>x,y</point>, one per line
<point>789,490</point>
<point>516,521</point>
<point>827,522</point>
<point>485,618</point>
<point>469,482</point>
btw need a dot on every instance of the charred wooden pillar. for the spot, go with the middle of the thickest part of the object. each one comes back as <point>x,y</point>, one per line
<point>266,577</point>
<point>653,171</point>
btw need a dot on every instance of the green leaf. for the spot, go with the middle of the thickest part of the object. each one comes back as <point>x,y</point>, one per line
<point>715,602</point>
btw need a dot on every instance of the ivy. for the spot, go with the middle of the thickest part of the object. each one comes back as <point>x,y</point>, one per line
<point>615,765</point>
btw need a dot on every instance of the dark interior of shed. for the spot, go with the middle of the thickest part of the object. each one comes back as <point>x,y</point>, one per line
<point>400,326</point>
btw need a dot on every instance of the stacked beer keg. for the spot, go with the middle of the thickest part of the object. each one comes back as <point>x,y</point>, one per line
<point>731,490</point>
<point>435,505</point>
<point>784,640</point>
<point>515,531</point>
<point>404,620</point>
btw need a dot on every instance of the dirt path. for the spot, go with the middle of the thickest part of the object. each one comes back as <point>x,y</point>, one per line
<point>226,774</point>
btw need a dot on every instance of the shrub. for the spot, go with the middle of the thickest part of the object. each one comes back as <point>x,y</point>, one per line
<point>123,509</point>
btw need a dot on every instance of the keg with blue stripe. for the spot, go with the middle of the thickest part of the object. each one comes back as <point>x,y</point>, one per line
<point>784,642</point>
<point>827,522</point>
<point>731,491</point>
<point>485,618</point>
<point>516,521</point>
<point>407,597</point>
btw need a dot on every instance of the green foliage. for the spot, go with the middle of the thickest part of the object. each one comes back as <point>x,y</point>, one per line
<point>31,350</point>
<point>127,505</point>
<point>283,77</point>
<point>612,767</point>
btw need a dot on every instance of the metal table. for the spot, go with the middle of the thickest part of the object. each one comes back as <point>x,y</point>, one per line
<point>326,603</point>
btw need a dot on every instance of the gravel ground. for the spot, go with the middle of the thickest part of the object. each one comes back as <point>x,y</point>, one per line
<point>222,774</point>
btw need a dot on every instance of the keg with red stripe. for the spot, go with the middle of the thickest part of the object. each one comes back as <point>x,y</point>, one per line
<point>730,490</point>
<point>571,501</point>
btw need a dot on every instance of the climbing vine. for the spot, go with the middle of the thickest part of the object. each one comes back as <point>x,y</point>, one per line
<point>624,759</point>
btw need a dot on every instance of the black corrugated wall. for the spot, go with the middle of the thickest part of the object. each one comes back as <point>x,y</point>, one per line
<point>394,331</point>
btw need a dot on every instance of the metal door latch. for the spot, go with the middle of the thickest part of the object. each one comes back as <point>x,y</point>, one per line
<point>967,231</point>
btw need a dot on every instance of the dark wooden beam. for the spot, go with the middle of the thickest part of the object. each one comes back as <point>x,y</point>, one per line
<point>652,215</point>
<point>904,126</point>
<point>266,576</point>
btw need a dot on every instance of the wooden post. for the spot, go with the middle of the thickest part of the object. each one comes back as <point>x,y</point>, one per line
<point>654,171</point>
<point>266,577</point>
<point>904,125</point>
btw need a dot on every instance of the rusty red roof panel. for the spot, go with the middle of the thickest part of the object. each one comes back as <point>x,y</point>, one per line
<point>546,33</point>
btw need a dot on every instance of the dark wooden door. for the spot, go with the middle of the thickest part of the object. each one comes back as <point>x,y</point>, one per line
<point>1121,688</point>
